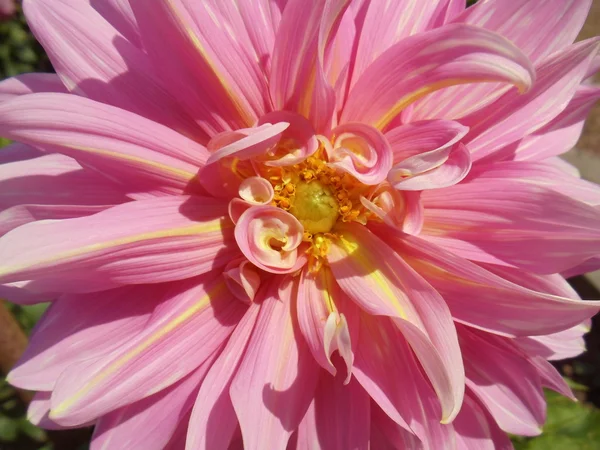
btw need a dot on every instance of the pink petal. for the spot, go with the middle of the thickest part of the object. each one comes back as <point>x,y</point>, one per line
<point>38,410</point>
<point>127,427</point>
<point>320,307</point>
<point>537,27</point>
<point>393,379</point>
<point>503,305</point>
<point>455,54</point>
<point>338,418</point>
<point>198,311</point>
<point>383,24</point>
<point>120,16</point>
<point>134,151</point>
<point>274,384</point>
<point>93,59</point>
<point>432,170</point>
<point>394,289</point>
<point>16,152</point>
<point>476,429</point>
<point>401,210</point>
<point>513,116</point>
<point>82,326</point>
<point>362,151</point>
<point>526,226</point>
<point>551,378</point>
<point>216,79</point>
<point>213,417</point>
<point>168,238</point>
<point>28,83</point>
<point>509,389</point>
<point>556,346</point>
<point>413,139</point>
<point>297,80</point>
<point>243,279</point>
<point>269,237</point>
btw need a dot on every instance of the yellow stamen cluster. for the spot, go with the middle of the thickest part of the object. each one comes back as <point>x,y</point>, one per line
<point>319,196</point>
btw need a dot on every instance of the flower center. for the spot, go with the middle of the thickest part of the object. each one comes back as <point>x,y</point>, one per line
<point>315,207</point>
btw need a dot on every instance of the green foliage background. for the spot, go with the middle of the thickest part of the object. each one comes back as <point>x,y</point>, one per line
<point>570,426</point>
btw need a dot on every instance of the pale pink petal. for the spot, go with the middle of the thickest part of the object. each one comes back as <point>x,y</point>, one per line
<point>556,346</point>
<point>127,427</point>
<point>401,210</point>
<point>551,378</point>
<point>476,429</point>
<point>38,411</point>
<point>132,150</point>
<point>446,12</point>
<point>362,151</point>
<point>393,379</point>
<point>455,54</point>
<point>587,266</point>
<point>213,418</point>
<point>120,16</point>
<point>383,24</point>
<point>275,382</point>
<point>243,279</point>
<point>54,180</point>
<point>543,174</point>
<point>178,440</point>
<point>18,152</point>
<point>338,418</point>
<point>514,115</point>
<point>503,306</point>
<point>167,238</point>
<point>298,81</point>
<point>526,226</point>
<point>321,307</point>
<point>412,139</point>
<point>432,170</point>
<point>269,237</point>
<point>93,59</point>
<point>29,83</point>
<point>82,326</point>
<point>537,27</point>
<point>198,311</point>
<point>394,289</point>
<point>218,82</point>
<point>509,389</point>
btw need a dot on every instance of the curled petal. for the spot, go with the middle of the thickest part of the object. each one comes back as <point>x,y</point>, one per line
<point>401,210</point>
<point>242,279</point>
<point>432,170</point>
<point>269,237</point>
<point>362,151</point>
<point>256,191</point>
<point>298,140</point>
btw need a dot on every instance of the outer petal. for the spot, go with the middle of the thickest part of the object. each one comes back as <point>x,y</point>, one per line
<point>298,82</point>
<point>389,372</point>
<point>94,59</point>
<point>513,116</point>
<point>338,419</point>
<point>525,225</point>
<point>166,239</point>
<point>537,27</point>
<point>510,388</point>
<point>18,152</point>
<point>383,24</point>
<point>378,280</point>
<point>199,310</point>
<point>455,54</point>
<point>274,384</point>
<point>215,78</point>
<point>79,327</point>
<point>127,428</point>
<point>503,306</point>
<point>477,430</point>
<point>136,152</point>
<point>542,173</point>
<point>28,83</point>
<point>213,421</point>
<point>120,16</point>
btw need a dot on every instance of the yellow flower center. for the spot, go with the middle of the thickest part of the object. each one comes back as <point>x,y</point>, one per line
<point>319,196</point>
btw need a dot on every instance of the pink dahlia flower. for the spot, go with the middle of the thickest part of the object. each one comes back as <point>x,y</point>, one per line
<point>299,224</point>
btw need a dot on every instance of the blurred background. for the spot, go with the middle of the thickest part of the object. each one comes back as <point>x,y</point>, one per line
<point>570,426</point>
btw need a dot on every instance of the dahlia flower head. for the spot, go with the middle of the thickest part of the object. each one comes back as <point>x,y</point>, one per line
<point>299,224</point>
